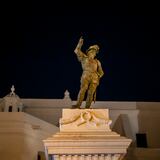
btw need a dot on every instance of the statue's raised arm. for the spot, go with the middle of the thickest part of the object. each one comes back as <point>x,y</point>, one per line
<point>78,52</point>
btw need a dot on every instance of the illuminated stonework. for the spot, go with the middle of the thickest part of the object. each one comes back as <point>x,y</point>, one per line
<point>86,134</point>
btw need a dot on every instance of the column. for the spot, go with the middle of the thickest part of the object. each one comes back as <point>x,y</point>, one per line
<point>101,157</point>
<point>88,157</point>
<point>82,157</point>
<point>68,157</point>
<point>56,157</point>
<point>108,157</point>
<point>116,157</point>
<point>95,157</point>
<point>75,157</point>
<point>62,157</point>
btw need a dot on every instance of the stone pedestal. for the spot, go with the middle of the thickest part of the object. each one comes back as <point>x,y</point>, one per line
<point>85,134</point>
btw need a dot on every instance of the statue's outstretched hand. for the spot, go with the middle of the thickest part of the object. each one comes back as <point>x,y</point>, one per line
<point>80,41</point>
<point>78,47</point>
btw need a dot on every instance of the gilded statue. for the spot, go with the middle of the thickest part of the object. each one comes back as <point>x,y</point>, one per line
<point>92,73</point>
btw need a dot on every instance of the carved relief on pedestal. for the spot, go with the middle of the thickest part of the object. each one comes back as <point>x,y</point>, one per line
<point>86,119</point>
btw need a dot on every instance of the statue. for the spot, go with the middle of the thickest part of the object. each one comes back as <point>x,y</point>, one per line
<point>92,72</point>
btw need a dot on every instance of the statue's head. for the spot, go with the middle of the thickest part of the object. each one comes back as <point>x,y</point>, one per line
<point>93,47</point>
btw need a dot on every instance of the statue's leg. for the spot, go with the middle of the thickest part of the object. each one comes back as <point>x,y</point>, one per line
<point>91,91</point>
<point>84,87</point>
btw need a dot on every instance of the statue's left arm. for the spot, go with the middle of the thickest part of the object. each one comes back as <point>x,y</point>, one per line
<point>99,70</point>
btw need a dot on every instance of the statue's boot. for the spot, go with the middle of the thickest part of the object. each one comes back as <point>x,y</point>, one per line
<point>88,105</point>
<point>80,100</point>
<point>90,96</point>
<point>89,101</point>
<point>75,106</point>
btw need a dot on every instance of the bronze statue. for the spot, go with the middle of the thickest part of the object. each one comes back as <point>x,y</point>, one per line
<point>92,72</point>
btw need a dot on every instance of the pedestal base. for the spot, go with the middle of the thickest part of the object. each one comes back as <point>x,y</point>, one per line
<point>85,133</point>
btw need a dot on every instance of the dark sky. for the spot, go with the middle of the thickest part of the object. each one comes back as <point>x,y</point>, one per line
<point>38,40</point>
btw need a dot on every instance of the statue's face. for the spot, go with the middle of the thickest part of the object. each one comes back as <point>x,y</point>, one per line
<point>92,53</point>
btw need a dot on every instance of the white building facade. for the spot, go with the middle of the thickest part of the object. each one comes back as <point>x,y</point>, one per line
<point>128,119</point>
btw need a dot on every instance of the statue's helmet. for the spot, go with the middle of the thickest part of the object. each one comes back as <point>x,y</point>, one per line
<point>95,47</point>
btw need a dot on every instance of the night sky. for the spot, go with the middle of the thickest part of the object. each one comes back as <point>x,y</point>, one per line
<point>38,42</point>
